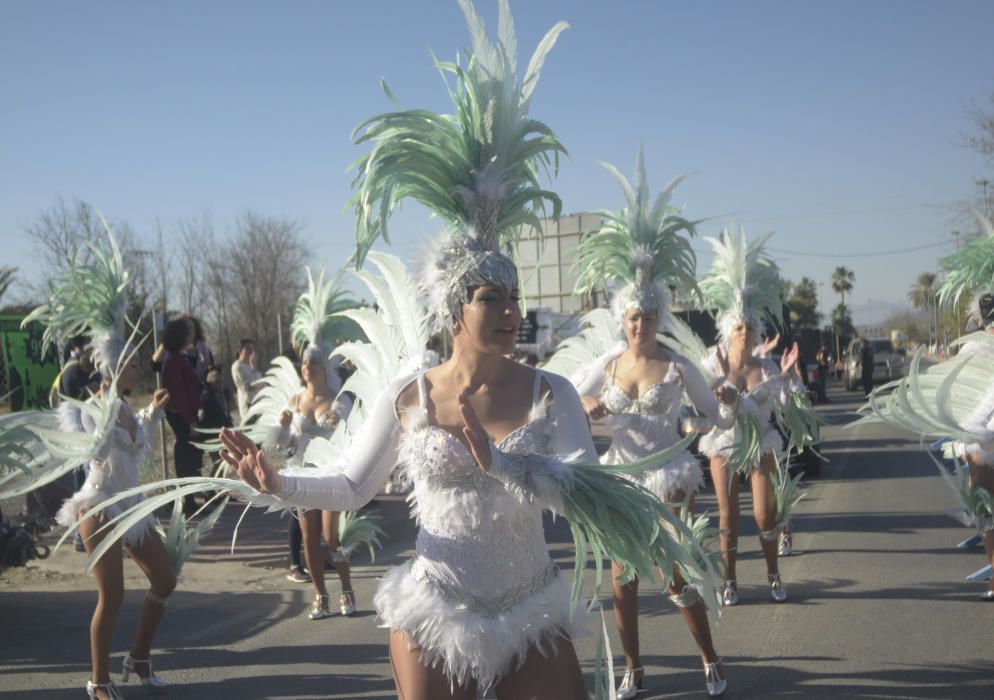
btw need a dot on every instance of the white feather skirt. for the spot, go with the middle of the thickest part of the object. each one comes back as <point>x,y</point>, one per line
<point>89,496</point>
<point>469,643</point>
<point>719,443</point>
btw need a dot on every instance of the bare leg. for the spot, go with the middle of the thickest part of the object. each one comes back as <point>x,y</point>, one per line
<point>310,527</point>
<point>983,476</point>
<point>626,616</point>
<point>329,521</point>
<point>553,677</point>
<point>153,560</point>
<point>764,508</point>
<point>109,573</point>
<point>415,680</point>
<point>727,492</point>
<point>696,615</point>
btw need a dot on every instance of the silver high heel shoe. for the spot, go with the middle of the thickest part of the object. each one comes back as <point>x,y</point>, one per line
<point>112,692</point>
<point>347,603</point>
<point>729,596</point>
<point>630,687</point>
<point>320,610</point>
<point>153,684</point>
<point>713,681</point>
<point>777,591</point>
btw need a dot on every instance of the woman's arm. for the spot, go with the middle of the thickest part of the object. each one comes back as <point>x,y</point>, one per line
<point>349,485</point>
<point>700,394</point>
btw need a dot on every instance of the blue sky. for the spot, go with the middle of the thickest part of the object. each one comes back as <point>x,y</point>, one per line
<point>835,124</point>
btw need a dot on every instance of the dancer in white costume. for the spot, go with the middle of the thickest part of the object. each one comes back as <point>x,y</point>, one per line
<point>744,285</point>
<point>488,442</point>
<point>315,412</point>
<point>92,299</point>
<point>955,398</point>
<point>639,386</point>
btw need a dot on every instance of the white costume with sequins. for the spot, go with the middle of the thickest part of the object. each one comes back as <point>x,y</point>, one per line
<point>760,401</point>
<point>113,467</point>
<point>481,589</point>
<point>651,422</point>
<point>292,441</point>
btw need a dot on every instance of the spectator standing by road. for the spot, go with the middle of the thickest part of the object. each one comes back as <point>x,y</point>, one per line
<point>822,360</point>
<point>180,380</point>
<point>248,379</point>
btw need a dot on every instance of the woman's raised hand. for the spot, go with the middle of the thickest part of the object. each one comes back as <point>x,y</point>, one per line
<point>476,436</point>
<point>248,460</point>
<point>789,359</point>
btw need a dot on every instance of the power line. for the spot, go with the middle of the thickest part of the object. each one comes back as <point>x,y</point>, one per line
<point>878,253</point>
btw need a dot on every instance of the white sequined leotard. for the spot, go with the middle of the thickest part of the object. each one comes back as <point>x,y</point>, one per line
<point>760,401</point>
<point>642,426</point>
<point>481,589</point>
<point>113,467</point>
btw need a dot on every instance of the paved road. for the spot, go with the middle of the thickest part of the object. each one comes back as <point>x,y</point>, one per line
<point>878,605</point>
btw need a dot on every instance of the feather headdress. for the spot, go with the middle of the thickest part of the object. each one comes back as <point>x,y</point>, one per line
<point>970,270</point>
<point>477,169</point>
<point>316,328</point>
<point>90,299</point>
<point>744,283</point>
<point>640,245</point>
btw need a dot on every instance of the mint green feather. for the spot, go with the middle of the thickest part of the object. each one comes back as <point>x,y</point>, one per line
<point>477,169</point>
<point>358,529</point>
<point>647,240</point>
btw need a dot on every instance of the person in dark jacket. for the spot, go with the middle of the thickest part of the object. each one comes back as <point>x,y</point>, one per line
<point>180,380</point>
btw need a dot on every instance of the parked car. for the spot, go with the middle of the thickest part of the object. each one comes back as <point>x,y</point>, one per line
<point>888,363</point>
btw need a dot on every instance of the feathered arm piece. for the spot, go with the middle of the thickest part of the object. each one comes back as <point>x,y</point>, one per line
<point>644,244</point>
<point>799,420</point>
<point>181,538</point>
<point>357,530</point>
<point>949,399</point>
<point>477,169</point>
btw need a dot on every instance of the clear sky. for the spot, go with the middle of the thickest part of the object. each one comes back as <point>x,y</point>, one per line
<point>835,124</point>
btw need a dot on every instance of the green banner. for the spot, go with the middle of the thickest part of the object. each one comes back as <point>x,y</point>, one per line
<point>29,372</point>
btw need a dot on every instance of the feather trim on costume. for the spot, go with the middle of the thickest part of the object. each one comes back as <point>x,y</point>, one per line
<point>469,643</point>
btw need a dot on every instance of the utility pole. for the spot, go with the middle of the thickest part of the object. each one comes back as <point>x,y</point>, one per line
<point>984,182</point>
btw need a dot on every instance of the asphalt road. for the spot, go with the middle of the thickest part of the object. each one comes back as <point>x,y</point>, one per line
<point>878,605</point>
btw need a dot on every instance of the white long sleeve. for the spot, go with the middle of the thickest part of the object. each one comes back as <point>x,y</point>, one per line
<point>364,467</point>
<point>701,395</point>
<point>590,380</point>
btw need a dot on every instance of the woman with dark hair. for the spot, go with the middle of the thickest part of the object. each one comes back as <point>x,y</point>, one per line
<point>180,380</point>
<point>197,352</point>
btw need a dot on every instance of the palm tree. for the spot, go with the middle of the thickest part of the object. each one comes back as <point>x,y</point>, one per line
<point>922,296</point>
<point>842,281</point>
